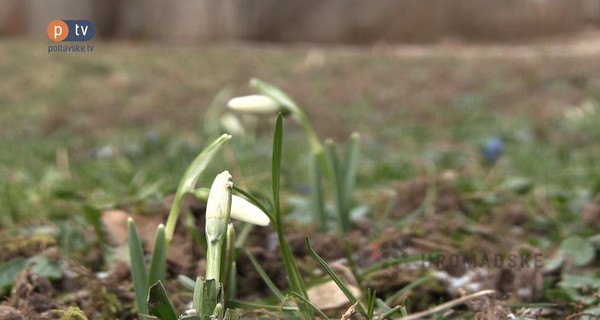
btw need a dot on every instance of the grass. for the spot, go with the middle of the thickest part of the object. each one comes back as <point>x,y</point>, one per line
<point>117,129</point>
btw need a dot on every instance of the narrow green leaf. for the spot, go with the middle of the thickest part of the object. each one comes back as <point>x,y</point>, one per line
<point>138,267</point>
<point>350,170</point>
<point>382,305</point>
<point>390,312</point>
<point>316,193</point>
<point>395,261</point>
<point>158,264</point>
<point>371,296</point>
<point>391,299</point>
<point>254,306</point>
<point>159,304</point>
<point>295,278</point>
<point>276,170</point>
<point>336,185</point>
<point>197,297</point>
<point>205,297</point>
<point>189,180</point>
<point>261,272</point>
<point>303,299</point>
<point>231,315</point>
<point>186,282</point>
<point>335,277</point>
<point>232,290</point>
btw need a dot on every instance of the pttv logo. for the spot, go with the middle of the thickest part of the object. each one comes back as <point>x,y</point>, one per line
<point>71,30</point>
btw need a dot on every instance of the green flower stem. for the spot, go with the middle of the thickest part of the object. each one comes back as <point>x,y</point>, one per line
<point>188,182</point>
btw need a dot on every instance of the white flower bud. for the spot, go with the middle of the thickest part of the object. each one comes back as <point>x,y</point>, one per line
<point>255,104</point>
<point>243,210</point>
<point>218,205</point>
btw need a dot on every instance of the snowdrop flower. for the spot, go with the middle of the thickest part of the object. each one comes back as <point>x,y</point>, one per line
<point>243,210</point>
<point>255,104</point>
<point>218,206</point>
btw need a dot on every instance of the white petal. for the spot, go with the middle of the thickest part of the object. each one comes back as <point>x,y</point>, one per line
<point>218,198</point>
<point>254,104</point>
<point>243,210</point>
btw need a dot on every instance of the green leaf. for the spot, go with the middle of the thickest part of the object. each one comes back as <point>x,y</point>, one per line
<point>303,299</point>
<point>579,282</point>
<point>335,278</point>
<point>45,267</point>
<point>254,306</point>
<point>8,273</point>
<point>371,297</point>
<point>40,265</point>
<point>336,185</point>
<point>186,282</point>
<point>394,261</point>
<point>261,272</point>
<point>93,216</point>
<point>350,170</point>
<point>206,295</point>
<point>391,299</point>
<point>276,163</point>
<point>158,264</point>
<point>578,249</point>
<point>295,278</point>
<point>316,193</point>
<point>138,267</point>
<point>189,180</point>
<point>231,315</point>
<point>159,303</point>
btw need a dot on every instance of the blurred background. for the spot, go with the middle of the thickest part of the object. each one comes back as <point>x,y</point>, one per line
<point>333,21</point>
<point>424,82</point>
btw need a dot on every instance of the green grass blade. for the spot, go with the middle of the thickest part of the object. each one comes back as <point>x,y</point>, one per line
<point>159,303</point>
<point>276,163</point>
<point>390,312</point>
<point>335,277</point>
<point>232,289</point>
<point>392,262</point>
<point>158,264</point>
<point>186,282</point>
<point>255,306</point>
<point>265,277</point>
<point>350,170</point>
<point>391,299</point>
<point>189,179</point>
<point>197,296</point>
<point>371,297</point>
<point>303,299</point>
<point>138,267</point>
<point>316,193</point>
<point>295,278</point>
<point>336,185</point>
